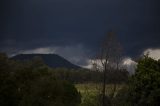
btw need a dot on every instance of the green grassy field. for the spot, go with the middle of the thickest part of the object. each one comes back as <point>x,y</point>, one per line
<point>96,88</point>
<point>90,91</point>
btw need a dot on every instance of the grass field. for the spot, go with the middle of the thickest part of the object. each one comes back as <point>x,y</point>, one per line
<point>96,88</point>
<point>90,91</point>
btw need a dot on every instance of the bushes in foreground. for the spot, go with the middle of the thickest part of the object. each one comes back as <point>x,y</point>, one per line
<point>33,84</point>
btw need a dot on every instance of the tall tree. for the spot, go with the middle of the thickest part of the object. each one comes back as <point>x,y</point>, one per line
<point>110,57</point>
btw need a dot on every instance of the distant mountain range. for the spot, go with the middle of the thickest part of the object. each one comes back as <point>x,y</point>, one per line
<point>52,60</point>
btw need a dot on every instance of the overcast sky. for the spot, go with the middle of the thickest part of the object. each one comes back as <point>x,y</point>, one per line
<point>75,29</point>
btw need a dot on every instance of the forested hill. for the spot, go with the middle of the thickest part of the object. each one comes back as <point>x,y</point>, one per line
<point>52,60</point>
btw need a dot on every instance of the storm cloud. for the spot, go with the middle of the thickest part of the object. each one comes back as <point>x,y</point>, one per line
<point>71,25</point>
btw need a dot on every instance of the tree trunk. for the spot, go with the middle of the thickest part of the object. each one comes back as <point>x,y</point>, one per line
<point>104,87</point>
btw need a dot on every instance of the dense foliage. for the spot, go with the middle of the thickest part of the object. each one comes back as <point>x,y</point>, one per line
<point>33,84</point>
<point>144,86</point>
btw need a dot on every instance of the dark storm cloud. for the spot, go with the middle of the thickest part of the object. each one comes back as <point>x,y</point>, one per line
<point>29,24</point>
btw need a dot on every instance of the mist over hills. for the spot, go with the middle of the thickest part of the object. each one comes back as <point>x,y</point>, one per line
<point>52,60</point>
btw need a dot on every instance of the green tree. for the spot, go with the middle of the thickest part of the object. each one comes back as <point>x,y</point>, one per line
<point>51,92</point>
<point>144,87</point>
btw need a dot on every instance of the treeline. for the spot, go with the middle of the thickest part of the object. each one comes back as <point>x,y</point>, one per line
<point>33,84</point>
<point>90,76</point>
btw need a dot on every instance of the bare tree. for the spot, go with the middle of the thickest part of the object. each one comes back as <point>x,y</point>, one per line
<point>110,58</point>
